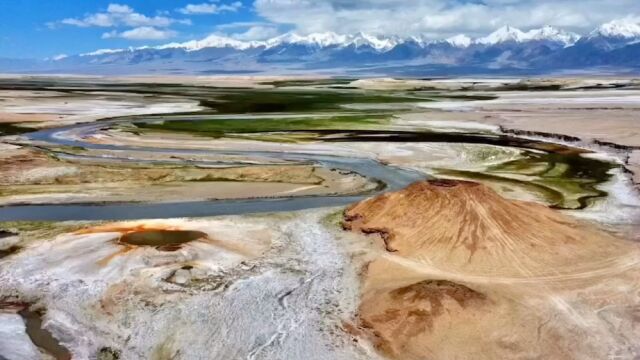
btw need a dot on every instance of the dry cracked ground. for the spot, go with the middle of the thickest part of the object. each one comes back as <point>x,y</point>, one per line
<point>497,222</point>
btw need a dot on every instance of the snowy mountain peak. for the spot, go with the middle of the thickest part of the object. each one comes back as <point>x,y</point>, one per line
<point>509,33</point>
<point>376,42</point>
<point>503,34</point>
<point>212,41</point>
<point>460,40</point>
<point>327,39</point>
<point>315,39</point>
<point>552,34</point>
<point>628,27</point>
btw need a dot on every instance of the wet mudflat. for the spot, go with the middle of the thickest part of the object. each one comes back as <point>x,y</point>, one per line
<point>33,325</point>
<point>42,338</point>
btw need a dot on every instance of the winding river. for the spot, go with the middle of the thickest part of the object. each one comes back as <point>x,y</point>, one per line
<point>390,177</point>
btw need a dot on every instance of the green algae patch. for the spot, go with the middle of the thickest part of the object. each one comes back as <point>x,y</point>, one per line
<point>14,129</point>
<point>32,231</point>
<point>544,194</point>
<point>278,137</point>
<point>276,125</point>
<point>564,180</point>
<point>108,353</point>
<point>310,82</point>
<point>334,219</point>
<point>65,149</point>
<point>282,101</point>
<point>9,251</point>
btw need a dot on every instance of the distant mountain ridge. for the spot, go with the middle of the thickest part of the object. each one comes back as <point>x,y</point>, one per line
<point>379,43</point>
<point>615,45</point>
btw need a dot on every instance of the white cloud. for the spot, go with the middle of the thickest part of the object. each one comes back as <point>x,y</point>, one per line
<point>256,33</point>
<point>121,15</point>
<point>248,30</point>
<point>242,25</point>
<point>119,9</point>
<point>199,9</point>
<point>141,33</point>
<point>101,20</point>
<point>210,8</point>
<point>440,18</point>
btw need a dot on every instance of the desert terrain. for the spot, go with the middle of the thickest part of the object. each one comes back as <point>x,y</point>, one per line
<point>273,217</point>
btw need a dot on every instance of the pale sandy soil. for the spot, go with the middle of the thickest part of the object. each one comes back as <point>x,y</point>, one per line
<point>8,117</point>
<point>157,139</point>
<point>171,192</point>
<point>30,176</point>
<point>51,108</point>
<point>634,165</point>
<point>253,82</point>
<point>232,81</point>
<point>610,117</point>
<point>454,84</point>
<point>416,84</point>
<point>84,155</point>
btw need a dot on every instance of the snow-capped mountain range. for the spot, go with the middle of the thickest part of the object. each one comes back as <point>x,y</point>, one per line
<point>547,33</point>
<point>615,44</point>
<point>624,28</point>
<point>378,43</point>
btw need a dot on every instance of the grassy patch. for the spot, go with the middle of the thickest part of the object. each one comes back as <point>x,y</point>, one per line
<point>565,181</point>
<point>221,127</point>
<point>13,129</point>
<point>30,231</point>
<point>266,101</point>
<point>334,220</point>
<point>309,82</point>
<point>548,195</point>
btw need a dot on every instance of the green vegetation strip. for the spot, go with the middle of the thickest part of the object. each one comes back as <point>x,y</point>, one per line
<point>565,181</point>
<point>221,127</point>
<point>266,101</point>
<point>14,129</point>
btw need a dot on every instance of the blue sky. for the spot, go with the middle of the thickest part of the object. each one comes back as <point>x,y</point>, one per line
<point>36,28</point>
<point>45,28</point>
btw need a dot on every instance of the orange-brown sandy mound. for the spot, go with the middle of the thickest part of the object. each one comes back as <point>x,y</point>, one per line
<point>401,314</point>
<point>465,227</point>
<point>467,274</point>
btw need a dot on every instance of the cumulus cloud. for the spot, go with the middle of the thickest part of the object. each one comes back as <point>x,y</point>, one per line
<point>210,8</point>
<point>141,33</point>
<point>259,32</point>
<point>439,18</point>
<point>120,15</point>
<point>60,57</point>
<point>242,24</point>
<point>248,30</point>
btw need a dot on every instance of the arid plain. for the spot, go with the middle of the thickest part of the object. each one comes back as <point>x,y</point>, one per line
<point>319,218</point>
